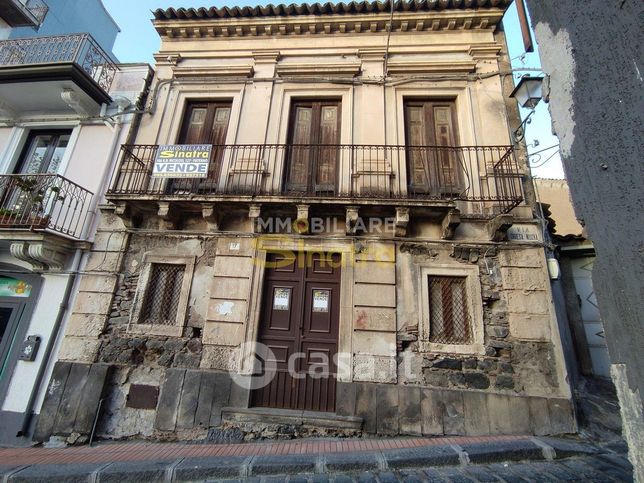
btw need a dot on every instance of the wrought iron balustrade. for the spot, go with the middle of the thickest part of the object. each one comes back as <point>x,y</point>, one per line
<point>37,8</point>
<point>43,202</point>
<point>80,49</point>
<point>471,173</point>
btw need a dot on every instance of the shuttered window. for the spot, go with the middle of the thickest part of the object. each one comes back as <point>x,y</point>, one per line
<point>449,319</point>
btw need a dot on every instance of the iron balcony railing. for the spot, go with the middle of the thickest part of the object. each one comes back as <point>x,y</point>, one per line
<point>37,8</point>
<point>80,49</point>
<point>43,202</point>
<point>488,174</point>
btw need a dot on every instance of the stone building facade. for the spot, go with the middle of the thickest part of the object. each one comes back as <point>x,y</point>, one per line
<point>364,215</point>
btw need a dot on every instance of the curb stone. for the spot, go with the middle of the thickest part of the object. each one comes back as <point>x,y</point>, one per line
<point>502,451</point>
<point>283,464</point>
<point>199,469</point>
<point>427,456</point>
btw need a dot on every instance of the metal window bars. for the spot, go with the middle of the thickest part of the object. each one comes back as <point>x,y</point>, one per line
<point>80,49</point>
<point>449,320</point>
<point>162,294</point>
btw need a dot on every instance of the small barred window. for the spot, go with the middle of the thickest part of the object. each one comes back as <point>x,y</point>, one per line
<point>162,296</point>
<point>449,320</point>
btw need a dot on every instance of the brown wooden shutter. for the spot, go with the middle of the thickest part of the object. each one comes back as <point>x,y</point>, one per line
<point>300,158</point>
<point>313,155</point>
<point>327,158</point>
<point>433,165</point>
<point>418,167</point>
<point>205,123</point>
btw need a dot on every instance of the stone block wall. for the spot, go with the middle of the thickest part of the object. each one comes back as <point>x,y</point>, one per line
<point>521,353</point>
<point>517,366</point>
<point>374,313</point>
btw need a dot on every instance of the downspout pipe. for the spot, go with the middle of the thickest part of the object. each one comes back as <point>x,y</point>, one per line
<point>26,420</point>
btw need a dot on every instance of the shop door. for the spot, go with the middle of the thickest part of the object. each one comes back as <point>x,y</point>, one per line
<point>9,318</point>
<point>300,324</point>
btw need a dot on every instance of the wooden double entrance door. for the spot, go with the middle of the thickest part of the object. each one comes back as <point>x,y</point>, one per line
<point>300,324</point>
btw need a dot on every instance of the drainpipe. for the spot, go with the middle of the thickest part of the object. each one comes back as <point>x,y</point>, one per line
<point>71,282</point>
<point>26,420</point>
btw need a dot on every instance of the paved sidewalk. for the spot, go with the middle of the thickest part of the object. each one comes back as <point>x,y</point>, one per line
<point>313,459</point>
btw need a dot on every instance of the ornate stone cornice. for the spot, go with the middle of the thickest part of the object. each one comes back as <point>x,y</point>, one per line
<point>329,24</point>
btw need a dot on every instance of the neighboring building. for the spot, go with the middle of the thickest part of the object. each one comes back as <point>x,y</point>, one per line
<point>62,102</point>
<point>71,16</point>
<point>576,256</point>
<point>594,61</point>
<point>21,14</point>
<point>362,214</point>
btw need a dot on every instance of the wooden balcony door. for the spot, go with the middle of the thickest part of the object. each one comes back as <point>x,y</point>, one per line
<point>433,167</point>
<point>205,123</point>
<point>300,323</point>
<point>313,156</point>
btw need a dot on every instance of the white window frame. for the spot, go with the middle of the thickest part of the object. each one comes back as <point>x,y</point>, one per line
<point>474,308</point>
<point>175,330</point>
<point>18,138</point>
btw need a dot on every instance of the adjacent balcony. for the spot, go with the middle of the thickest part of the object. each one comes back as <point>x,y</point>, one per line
<point>23,13</point>
<point>43,203</point>
<point>73,72</point>
<point>483,179</point>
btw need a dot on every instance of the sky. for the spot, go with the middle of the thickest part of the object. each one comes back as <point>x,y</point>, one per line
<point>138,41</point>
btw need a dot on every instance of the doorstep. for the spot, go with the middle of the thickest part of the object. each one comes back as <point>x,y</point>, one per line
<point>292,417</point>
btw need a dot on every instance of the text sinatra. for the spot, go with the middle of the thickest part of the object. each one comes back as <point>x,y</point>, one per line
<point>182,161</point>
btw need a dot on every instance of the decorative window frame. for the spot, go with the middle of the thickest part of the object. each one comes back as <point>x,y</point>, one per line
<point>474,308</point>
<point>175,330</point>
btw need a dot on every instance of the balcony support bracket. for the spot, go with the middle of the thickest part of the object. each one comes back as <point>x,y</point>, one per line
<point>352,216</point>
<point>450,222</point>
<point>127,214</point>
<point>402,220</point>
<point>497,227</point>
<point>42,256</point>
<point>7,111</point>
<point>167,215</point>
<point>254,213</point>
<point>75,102</point>
<point>211,215</point>
<point>302,222</point>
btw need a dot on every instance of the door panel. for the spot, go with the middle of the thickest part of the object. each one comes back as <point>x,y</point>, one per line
<point>10,313</point>
<point>307,326</point>
<point>312,159</point>
<point>433,166</point>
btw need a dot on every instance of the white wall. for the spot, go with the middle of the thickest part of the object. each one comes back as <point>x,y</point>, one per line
<point>42,320</point>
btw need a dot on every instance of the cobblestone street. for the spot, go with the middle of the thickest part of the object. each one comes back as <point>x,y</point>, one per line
<point>596,469</point>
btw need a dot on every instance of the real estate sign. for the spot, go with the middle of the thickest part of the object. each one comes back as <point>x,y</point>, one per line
<point>182,161</point>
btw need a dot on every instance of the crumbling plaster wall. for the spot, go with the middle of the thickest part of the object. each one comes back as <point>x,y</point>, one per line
<point>592,52</point>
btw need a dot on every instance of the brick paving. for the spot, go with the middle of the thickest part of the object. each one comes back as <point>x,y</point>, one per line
<point>142,451</point>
